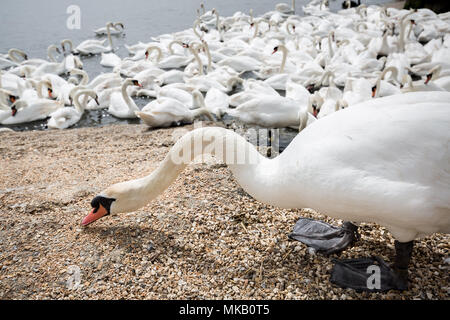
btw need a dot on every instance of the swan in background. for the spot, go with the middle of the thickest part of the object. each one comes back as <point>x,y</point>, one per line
<point>269,111</point>
<point>383,88</point>
<point>11,59</point>
<point>171,62</point>
<point>215,101</point>
<point>118,28</point>
<point>37,110</point>
<point>93,47</point>
<point>418,86</point>
<point>285,8</point>
<point>439,78</point>
<point>342,165</point>
<point>110,60</point>
<point>163,112</point>
<point>38,62</point>
<point>204,83</point>
<point>121,105</point>
<point>66,117</point>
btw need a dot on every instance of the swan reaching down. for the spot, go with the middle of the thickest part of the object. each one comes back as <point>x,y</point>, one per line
<point>365,163</point>
<point>164,112</point>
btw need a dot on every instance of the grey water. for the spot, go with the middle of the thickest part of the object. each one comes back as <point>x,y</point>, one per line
<point>34,25</point>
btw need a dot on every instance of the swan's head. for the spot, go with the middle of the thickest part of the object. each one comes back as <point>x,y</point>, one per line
<point>119,24</point>
<point>12,98</point>
<point>374,91</point>
<point>275,49</point>
<point>101,206</point>
<point>119,198</point>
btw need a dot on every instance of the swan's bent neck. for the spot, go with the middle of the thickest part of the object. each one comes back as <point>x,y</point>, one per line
<point>254,173</point>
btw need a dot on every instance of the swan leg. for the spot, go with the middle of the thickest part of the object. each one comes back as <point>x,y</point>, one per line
<point>403,253</point>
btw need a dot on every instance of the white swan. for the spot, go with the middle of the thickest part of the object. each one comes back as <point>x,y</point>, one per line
<point>37,110</point>
<point>66,117</point>
<point>11,59</point>
<point>164,112</point>
<point>285,8</point>
<point>118,28</point>
<point>381,161</point>
<point>269,111</point>
<point>121,105</point>
<point>110,60</point>
<point>92,47</point>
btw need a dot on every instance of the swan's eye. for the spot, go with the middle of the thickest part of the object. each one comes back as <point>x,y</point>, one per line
<point>103,201</point>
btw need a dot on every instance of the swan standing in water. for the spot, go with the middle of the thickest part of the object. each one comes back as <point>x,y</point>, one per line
<point>365,163</point>
<point>92,47</point>
<point>37,110</point>
<point>66,117</point>
<point>163,112</point>
<point>115,31</point>
<point>121,105</point>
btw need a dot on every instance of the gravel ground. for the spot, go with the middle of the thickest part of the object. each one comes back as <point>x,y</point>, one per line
<point>202,238</point>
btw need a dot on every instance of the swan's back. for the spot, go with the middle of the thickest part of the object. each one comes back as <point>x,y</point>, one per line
<point>384,160</point>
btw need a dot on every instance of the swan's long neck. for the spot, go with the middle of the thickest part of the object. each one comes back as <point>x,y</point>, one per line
<point>208,54</point>
<point>254,173</point>
<point>283,61</point>
<point>401,36</point>
<point>196,23</point>
<point>108,31</point>
<point>85,78</point>
<point>394,73</point>
<point>172,43</point>
<point>193,50</point>
<point>157,49</point>
<point>217,19</point>
<point>39,87</point>
<point>436,72</point>
<point>69,42</point>
<point>293,6</point>
<point>50,54</point>
<point>330,47</point>
<point>392,69</point>
<point>131,105</point>
<point>76,101</point>
<point>13,52</point>
<point>256,24</point>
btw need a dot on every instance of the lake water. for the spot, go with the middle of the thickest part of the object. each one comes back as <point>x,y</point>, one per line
<point>33,25</point>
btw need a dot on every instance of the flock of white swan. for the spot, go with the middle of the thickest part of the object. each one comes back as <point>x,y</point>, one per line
<point>366,86</point>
